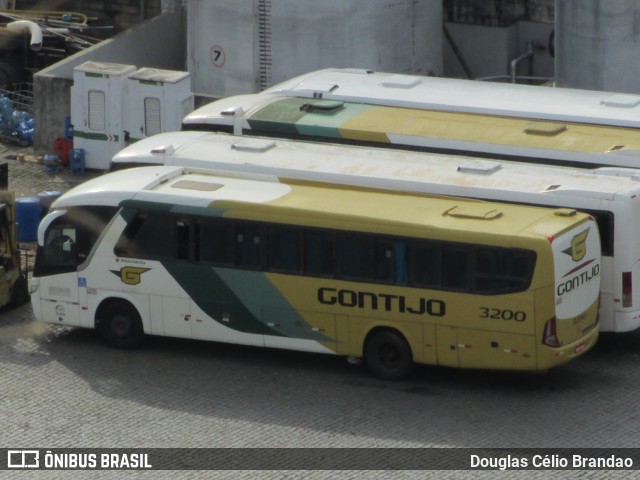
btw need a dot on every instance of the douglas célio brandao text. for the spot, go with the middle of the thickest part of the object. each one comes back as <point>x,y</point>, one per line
<point>550,461</point>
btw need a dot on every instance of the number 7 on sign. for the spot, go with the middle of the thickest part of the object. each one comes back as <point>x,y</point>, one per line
<point>217,56</point>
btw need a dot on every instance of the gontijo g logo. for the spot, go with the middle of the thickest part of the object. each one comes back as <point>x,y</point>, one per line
<point>130,275</point>
<point>578,246</point>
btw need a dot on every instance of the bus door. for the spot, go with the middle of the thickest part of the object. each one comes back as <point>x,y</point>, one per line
<point>163,243</point>
<point>59,290</point>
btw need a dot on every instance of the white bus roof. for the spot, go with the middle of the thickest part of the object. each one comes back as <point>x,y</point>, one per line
<point>265,197</point>
<point>222,112</point>
<point>387,169</point>
<point>155,182</point>
<point>472,96</point>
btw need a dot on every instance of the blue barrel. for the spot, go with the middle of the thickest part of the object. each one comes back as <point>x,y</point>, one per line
<point>46,198</point>
<point>27,218</point>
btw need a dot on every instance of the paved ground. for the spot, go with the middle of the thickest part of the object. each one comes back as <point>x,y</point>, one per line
<point>64,388</point>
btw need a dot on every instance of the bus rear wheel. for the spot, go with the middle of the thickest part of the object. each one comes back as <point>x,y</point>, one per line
<point>388,355</point>
<point>119,325</point>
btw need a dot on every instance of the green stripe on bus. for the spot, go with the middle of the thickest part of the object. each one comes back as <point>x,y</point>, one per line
<point>242,300</point>
<point>296,116</point>
<point>281,117</point>
<point>212,294</point>
<point>285,111</point>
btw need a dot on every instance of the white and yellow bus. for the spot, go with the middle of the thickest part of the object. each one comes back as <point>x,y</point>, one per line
<point>610,195</point>
<point>390,277</point>
<point>467,96</point>
<point>532,123</point>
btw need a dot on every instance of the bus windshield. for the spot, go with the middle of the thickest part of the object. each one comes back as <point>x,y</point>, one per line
<point>70,237</point>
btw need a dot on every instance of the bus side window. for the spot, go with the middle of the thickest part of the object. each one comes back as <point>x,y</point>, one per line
<point>318,253</point>
<point>400,272</point>
<point>455,267</point>
<point>384,256</point>
<point>356,256</point>
<point>285,249</point>
<point>183,245</point>
<point>425,258</point>
<point>248,246</point>
<point>500,270</point>
<point>215,242</point>
<point>143,237</point>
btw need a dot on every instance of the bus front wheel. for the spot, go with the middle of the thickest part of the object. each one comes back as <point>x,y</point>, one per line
<point>388,355</point>
<point>119,324</point>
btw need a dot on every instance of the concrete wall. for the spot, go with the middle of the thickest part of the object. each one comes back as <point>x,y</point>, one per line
<point>158,43</point>
<point>237,47</point>
<point>597,44</point>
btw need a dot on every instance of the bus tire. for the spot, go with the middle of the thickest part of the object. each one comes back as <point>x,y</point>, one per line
<point>388,355</point>
<point>119,325</point>
<point>19,292</point>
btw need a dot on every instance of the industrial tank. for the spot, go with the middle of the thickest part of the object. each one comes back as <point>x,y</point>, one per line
<point>597,44</point>
<point>243,47</point>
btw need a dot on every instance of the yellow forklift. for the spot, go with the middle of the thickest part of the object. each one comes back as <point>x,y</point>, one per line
<point>14,290</point>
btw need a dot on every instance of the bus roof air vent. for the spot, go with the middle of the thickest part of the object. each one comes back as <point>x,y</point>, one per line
<point>476,211</point>
<point>482,167</point>
<point>549,129</point>
<point>197,185</point>
<point>565,212</point>
<point>232,112</point>
<point>322,106</point>
<point>622,101</point>
<point>401,81</point>
<point>163,150</point>
<point>253,145</point>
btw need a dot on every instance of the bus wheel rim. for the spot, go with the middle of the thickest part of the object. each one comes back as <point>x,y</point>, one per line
<point>389,356</point>
<point>121,325</point>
